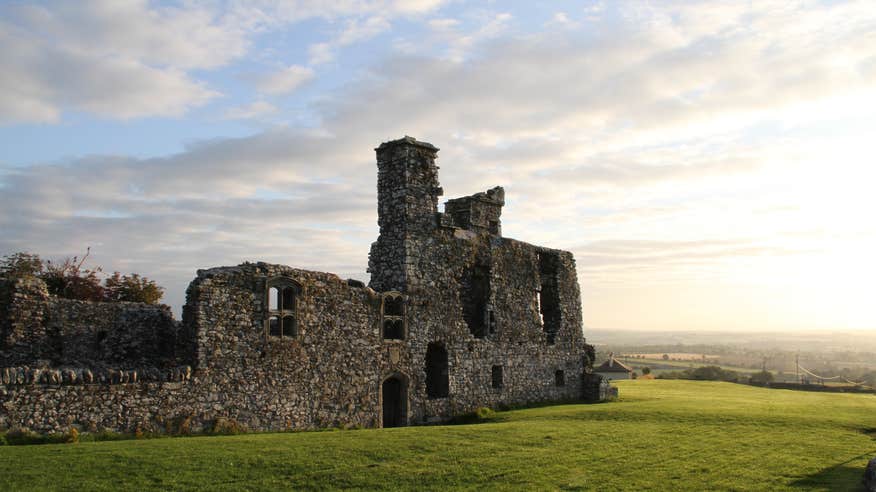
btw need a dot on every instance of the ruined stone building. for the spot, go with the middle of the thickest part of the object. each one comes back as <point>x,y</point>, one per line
<point>455,317</point>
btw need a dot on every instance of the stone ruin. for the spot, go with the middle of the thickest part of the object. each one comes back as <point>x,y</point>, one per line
<point>455,317</point>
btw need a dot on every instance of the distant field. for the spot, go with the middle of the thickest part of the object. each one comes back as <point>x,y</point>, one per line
<point>678,356</point>
<point>660,365</point>
<point>661,435</point>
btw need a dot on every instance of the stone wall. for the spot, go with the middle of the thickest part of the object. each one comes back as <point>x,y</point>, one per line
<point>472,319</point>
<point>439,262</point>
<point>326,376</point>
<point>23,305</point>
<point>45,330</point>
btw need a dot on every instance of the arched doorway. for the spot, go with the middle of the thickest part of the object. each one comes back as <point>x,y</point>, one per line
<point>394,399</point>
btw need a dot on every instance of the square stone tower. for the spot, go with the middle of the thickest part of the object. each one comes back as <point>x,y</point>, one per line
<point>407,206</point>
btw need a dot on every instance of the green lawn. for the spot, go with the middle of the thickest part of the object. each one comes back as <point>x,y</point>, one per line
<point>661,435</point>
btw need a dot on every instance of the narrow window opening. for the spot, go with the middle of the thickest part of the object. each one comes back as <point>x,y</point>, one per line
<point>497,377</point>
<point>273,299</point>
<point>560,378</point>
<point>393,329</point>
<point>289,328</point>
<point>494,227</point>
<point>98,341</point>
<point>492,323</point>
<point>540,312</point>
<point>288,299</point>
<point>282,313</point>
<point>549,295</point>
<point>437,374</point>
<point>475,298</point>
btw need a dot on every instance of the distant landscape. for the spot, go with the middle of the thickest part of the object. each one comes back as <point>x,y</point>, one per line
<point>844,357</point>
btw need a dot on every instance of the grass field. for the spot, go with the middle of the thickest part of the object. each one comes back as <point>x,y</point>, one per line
<point>661,435</point>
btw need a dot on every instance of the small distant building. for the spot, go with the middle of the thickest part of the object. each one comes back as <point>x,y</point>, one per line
<point>613,369</point>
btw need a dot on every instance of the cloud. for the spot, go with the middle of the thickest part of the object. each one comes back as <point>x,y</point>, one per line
<point>42,78</point>
<point>355,30</point>
<point>677,141</point>
<point>320,53</point>
<point>125,60</point>
<point>185,37</point>
<point>635,254</point>
<point>443,24</point>
<point>460,42</point>
<point>117,60</point>
<point>286,80</point>
<point>253,110</point>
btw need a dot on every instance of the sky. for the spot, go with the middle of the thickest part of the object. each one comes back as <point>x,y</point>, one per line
<point>710,164</point>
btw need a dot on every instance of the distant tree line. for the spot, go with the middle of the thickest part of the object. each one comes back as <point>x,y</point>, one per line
<point>705,373</point>
<point>70,279</point>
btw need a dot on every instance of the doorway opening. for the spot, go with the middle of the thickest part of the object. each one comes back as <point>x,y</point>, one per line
<point>394,399</point>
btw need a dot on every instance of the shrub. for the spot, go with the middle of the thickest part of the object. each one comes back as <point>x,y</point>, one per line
<point>73,435</point>
<point>132,288</point>
<point>20,436</point>
<point>228,427</point>
<point>69,278</point>
<point>762,377</point>
<point>481,414</point>
<point>712,373</point>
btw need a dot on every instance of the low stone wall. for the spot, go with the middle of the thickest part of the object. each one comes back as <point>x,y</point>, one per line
<point>25,375</point>
<point>114,334</point>
<point>177,401</point>
<point>39,329</point>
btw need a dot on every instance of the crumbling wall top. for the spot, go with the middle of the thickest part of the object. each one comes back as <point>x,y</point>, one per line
<point>409,141</point>
<point>480,212</point>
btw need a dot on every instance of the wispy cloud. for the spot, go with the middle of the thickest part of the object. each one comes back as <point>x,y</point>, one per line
<point>286,80</point>
<point>253,110</point>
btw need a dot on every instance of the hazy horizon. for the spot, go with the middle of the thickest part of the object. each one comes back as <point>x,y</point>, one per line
<point>707,163</point>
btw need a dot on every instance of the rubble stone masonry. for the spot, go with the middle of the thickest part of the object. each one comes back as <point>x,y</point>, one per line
<point>455,317</point>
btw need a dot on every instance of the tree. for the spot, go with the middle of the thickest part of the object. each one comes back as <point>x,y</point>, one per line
<point>762,377</point>
<point>712,373</point>
<point>665,356</point>
<point>132,288</point>
<point>646,370</point>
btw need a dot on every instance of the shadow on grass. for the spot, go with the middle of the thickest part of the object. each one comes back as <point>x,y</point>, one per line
<point>839,477</point>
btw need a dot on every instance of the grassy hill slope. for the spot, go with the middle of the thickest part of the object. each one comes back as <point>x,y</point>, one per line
<point>662,435</point>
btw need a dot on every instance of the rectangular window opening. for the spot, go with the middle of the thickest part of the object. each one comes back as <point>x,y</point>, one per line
<point>475,296</point>
<point>497,376</point>
<point>290,329</point>
<point>549,310</point>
